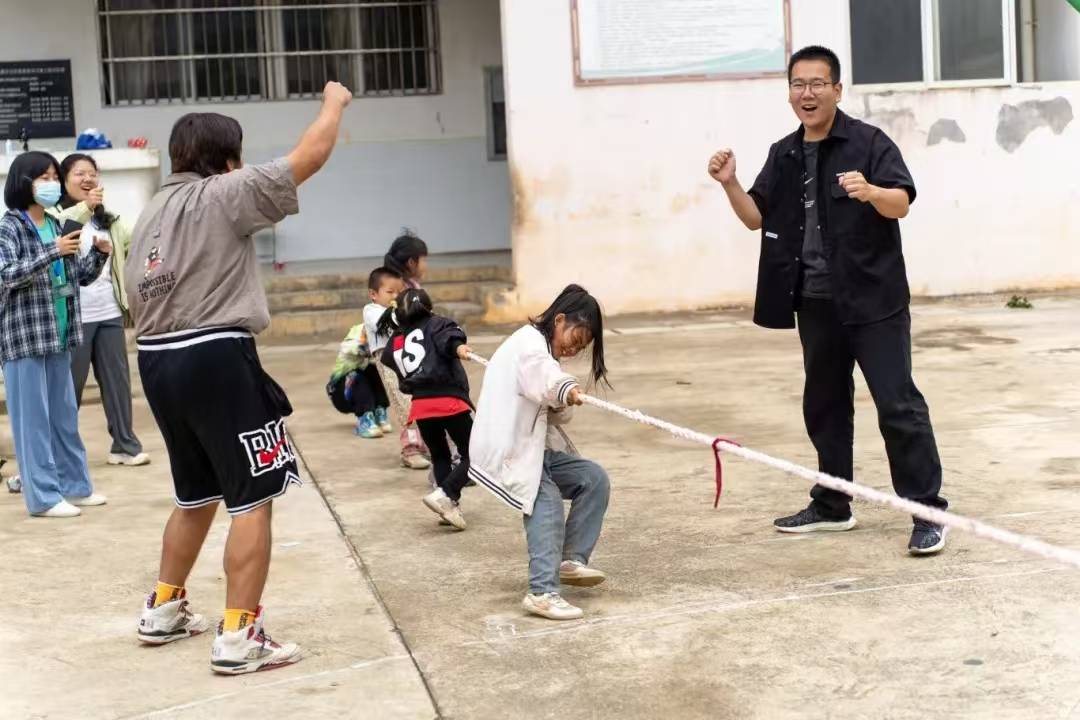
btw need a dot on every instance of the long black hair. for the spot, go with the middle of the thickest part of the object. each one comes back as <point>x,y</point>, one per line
<point>25,169</point>
<point>412,306</point>
<point>408,246</point>
<point>102,219</point>
<point>580,309</point>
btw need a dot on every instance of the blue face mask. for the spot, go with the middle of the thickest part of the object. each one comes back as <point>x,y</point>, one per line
<point>47,193</point>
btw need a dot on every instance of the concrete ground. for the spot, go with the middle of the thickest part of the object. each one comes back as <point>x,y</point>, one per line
<point>706,614</point>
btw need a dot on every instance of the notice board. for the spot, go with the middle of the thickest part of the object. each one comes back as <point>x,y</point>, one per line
<point>637,41</point>
<point>36,95</point>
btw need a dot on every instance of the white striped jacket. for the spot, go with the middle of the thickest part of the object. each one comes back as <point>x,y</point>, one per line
<point>509,436</point>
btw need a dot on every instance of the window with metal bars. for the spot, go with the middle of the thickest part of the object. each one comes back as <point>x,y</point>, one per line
<point>186,51</point>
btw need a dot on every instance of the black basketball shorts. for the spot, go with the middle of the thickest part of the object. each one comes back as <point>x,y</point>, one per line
<point>222,417</point>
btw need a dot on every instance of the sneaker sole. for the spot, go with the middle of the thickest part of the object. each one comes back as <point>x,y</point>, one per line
<point>831,526</point>
<point>435,509</point>
<point>582,581</point>
<point>246,668</point>
<point>166,639</point>
<point>416,465</point>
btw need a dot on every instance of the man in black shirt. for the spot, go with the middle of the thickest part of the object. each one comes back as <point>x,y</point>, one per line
<point>827,202</point>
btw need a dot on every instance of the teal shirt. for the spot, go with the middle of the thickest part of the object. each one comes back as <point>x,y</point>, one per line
<point>58,276</point>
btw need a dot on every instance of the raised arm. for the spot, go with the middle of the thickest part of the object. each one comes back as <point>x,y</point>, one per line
<point>722,169</point>
<point>318,141</point>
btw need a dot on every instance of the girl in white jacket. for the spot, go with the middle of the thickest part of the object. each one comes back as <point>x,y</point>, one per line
<point>525,395</point>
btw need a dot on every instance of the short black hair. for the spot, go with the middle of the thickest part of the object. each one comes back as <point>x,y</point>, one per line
<point>580,309</point>
<point>25,168</point>
<point>816,52</point>
<point>203,143</point>
<point>407,246</point>
<point>378,276</point>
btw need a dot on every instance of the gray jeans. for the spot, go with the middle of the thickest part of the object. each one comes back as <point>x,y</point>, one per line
<point>550,539</point>
<point>104,346</point>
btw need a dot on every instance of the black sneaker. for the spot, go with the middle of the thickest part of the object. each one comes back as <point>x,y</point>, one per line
<point>810,520</point>
<point>927,538</point>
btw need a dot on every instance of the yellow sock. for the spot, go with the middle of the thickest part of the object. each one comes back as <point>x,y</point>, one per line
<point>236,619</point>
<point>166,593</point>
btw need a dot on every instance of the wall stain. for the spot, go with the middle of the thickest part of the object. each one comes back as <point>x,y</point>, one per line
<point>945,129</point>
<point>520,198</point>
<point>1016,122</point>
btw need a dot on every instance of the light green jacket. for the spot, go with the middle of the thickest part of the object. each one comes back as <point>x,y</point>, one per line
<point>120,234</point>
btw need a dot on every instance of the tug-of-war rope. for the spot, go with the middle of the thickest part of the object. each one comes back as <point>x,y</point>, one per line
<point>861,492</point>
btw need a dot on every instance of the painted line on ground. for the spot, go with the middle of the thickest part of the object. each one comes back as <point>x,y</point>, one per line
<point>678,611</point>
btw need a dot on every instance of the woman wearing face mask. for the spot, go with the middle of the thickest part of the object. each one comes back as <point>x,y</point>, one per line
<point>103,306</point>
<point>40,275</point>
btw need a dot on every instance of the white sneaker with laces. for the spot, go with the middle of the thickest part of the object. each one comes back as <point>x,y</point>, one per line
<point>438,503</point>
<point>249,649</point>
<point>62,509</point>
<point>571,572</point>
<point>125,459</point>
<point>551,606</point>
<point>169,621</point>
<point>91,500</point>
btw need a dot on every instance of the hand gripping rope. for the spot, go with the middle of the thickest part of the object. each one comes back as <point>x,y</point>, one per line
<point>861,492</point>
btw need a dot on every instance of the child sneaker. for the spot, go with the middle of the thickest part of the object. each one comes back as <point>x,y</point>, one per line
<point>169,621</point>
<point>249,649</point>
<point>571,572</point>
<point>552,606</point>
<point>438,503</point>
<point>382,418</point>
<point>366,427</point>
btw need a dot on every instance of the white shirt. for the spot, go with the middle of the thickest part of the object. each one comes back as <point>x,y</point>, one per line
<point>98,299</point>
<point>372,313</point>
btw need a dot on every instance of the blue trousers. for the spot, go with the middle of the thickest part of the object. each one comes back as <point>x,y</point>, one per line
<point>45,423</point>
<point>550,537</point>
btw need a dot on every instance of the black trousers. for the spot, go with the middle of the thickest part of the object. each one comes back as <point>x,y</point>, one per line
<point>434,432</point>
<point>883,352</point>
<point>367,393</point>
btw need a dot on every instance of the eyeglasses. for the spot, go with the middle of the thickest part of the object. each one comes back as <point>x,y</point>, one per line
<point>798,87</point>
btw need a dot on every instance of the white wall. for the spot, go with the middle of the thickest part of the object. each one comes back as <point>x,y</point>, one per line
<point>1057,40</point>
<point>610,185</point>
<point>418,162</point>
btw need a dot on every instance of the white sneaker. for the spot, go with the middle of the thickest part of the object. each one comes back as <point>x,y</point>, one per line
<point>125,459</point>
<point>62,509</point>
<point>249,649</point>
<point>571,572</point>
<point>415,461</point>
<point>91,500</point>
<point>552,606</point>
<point>169,621</point>
<point>438,503</point>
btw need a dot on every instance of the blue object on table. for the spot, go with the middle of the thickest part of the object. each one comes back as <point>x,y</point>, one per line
<point>92,139</point>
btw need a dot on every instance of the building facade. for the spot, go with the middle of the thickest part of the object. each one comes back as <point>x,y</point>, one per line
<point>548,127</point>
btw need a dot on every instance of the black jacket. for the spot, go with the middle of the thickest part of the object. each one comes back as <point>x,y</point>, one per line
<point>426,362</point>
<point>863,247</point>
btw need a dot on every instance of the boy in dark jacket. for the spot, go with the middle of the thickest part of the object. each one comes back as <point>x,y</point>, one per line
<point>425,352</point>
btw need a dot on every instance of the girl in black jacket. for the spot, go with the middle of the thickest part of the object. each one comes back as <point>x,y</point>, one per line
<point>425,352</point>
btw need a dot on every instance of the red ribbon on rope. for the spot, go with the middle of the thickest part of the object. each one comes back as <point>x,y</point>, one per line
<point>720,467</point>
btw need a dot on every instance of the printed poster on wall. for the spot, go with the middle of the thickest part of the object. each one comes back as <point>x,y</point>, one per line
<point>654,40</point>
